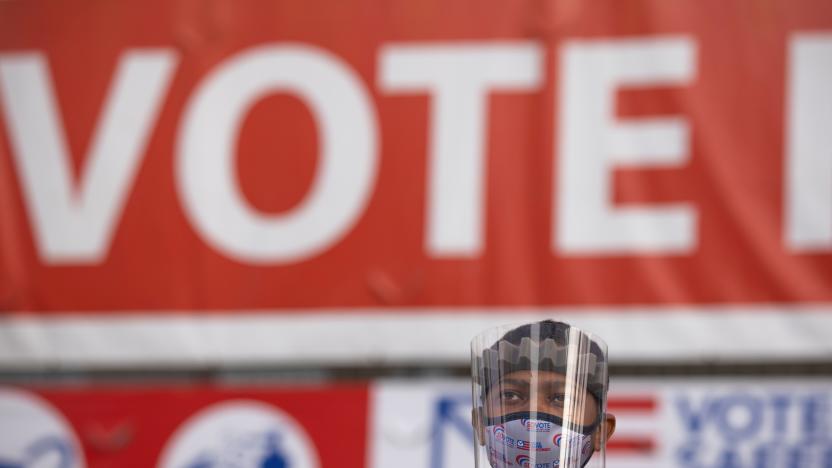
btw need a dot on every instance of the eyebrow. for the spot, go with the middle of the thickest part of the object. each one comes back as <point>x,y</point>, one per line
<point>524,383</point>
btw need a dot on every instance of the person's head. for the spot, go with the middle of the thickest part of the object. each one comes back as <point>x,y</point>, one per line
<point>540,393</point>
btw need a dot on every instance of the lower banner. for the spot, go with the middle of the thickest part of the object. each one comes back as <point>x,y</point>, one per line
<point>413,423</point>
<point>661,423</point>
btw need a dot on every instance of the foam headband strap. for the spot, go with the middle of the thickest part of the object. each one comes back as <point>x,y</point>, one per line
<point>506,357</point>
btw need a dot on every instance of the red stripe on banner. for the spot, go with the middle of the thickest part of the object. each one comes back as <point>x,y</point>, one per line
<point>632,404</point>
<point>631,444</point>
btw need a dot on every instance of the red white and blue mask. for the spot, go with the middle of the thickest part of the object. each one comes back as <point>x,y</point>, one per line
<point>537,440</point>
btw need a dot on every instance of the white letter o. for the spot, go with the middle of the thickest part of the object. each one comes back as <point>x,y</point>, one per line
<point>346,170</point>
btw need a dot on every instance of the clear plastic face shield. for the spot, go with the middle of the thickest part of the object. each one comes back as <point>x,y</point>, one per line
<point>539,394</point>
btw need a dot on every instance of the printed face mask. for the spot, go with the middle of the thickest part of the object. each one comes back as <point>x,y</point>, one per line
<point>518,440</point>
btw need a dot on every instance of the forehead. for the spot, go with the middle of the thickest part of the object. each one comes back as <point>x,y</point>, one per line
<point>537,377</point>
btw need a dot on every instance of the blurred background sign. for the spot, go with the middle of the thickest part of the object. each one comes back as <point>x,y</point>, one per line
<point>298,193</point>
<point>684,423</point>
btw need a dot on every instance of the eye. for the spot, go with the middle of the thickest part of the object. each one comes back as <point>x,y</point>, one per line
<point>511,396</point>
<point>557,399</point>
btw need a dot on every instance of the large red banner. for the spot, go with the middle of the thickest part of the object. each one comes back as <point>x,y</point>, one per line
<point>264,155</point>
